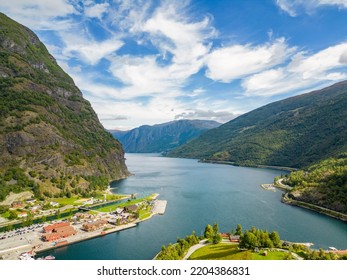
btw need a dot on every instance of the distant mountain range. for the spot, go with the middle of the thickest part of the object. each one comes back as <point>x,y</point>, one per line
<point>293,132</point>
<point>162,137</point>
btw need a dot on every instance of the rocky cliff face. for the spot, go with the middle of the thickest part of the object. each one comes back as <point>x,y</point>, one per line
<point>48,131</point>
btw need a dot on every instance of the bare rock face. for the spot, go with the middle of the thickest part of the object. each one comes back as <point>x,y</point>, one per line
<point>47,128</point>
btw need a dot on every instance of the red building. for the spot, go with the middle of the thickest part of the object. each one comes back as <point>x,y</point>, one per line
<point>51,228</point>
<point>57,231</point>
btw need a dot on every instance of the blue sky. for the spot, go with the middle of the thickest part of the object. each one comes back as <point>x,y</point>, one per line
<point>147,62</point>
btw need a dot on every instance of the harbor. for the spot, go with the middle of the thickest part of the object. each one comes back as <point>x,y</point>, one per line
<point>25,243</point>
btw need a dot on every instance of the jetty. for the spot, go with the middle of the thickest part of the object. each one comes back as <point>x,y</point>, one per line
<point>159,207</point>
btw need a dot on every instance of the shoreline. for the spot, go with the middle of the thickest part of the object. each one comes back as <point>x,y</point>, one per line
<point>318,209</point>
<point>284,168</point>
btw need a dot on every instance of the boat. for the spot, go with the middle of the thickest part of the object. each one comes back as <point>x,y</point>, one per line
<point>49,257</point>
<point>26,256</point>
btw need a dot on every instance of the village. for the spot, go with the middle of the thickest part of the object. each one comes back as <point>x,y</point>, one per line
<point>24,243</point>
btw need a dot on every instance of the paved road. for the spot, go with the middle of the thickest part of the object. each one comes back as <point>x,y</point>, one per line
<point>192,249</point>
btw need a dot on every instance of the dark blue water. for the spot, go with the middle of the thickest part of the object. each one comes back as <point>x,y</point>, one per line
<point>200,194</point>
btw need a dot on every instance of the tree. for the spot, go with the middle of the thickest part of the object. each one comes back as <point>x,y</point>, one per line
<point>249,240</point>
<point>208,232</point>
<point>13,215</point>
<point>217,238</point>
<point>215,229</point>
<point>275,238</point>
<point>238,229</point>
<point>3,209</point>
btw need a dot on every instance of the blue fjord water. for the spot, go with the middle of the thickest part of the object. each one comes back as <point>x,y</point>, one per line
<point>200,194</point>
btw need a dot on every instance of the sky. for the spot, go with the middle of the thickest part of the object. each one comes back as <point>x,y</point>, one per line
<point>151,61</point>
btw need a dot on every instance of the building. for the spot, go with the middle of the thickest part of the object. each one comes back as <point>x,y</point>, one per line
<point>131,208</point>
<point>23,215</point>
<point>234,238</point>
<point>58,231</point>
<point>94,225</point>
<point>51,228</point>
<point>17,204</point>
<point>31,200</point>
<point>54,204</point>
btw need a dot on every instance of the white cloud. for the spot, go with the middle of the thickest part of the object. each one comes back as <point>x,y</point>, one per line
<point>96,10</point>
<point>292,7</point>
<point>318,64</point>
<point>40,14</point>
<point>173,33</point>
<point>287,6</point>
<point>304,71</point>
<point>219,116</point>
<point>88,50</point>
<point>234,62</point>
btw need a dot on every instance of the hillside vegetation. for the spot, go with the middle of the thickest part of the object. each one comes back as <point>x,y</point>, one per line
<point>51,140</point>
<point>323,184</point>
<point>293,132</point>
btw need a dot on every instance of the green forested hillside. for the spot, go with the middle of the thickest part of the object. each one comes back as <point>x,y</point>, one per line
<point>294,132</point>
<point>323,184</point>
<point>51,140</point>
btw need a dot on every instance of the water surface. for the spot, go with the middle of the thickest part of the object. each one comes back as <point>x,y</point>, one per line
<point>200,194</point>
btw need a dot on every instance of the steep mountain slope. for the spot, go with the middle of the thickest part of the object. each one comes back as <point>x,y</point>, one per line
<point>162,137</point>
<point>49,134</point>
<point>294,132</point>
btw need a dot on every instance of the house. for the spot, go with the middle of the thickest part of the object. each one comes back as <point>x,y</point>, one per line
<point>17,204</point>
<point>234,238</point>
<point>118,211</point>
<point>225,235</point>
<point>131,208</point>
<point>54,204</point>
<point>22,215</point>
<point>31,200</point>
<point>94,225</point>
<point>35,208</point>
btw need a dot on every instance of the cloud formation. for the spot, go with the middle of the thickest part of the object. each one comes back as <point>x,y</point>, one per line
<point>236,61</point>
<point>219,116</point>
<point>293,7</point>
<point>303,71</point>
<point>146,62</point>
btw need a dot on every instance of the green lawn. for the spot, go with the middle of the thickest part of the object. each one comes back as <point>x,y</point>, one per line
<point>67,201</point>
<point>121,205</point>
<point>229,251</point>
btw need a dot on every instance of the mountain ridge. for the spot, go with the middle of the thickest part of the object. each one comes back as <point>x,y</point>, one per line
<point>293,132</point>
<point>162,137</point>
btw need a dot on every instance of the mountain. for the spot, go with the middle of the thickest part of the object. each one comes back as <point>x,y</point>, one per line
<point>50,138</point>
<point>162,137</point>
<point>293,132</point>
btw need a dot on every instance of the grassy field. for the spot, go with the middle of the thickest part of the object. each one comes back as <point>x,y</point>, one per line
<point>229,251</point>
<point>68,201</point>
<point>111,208</point>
